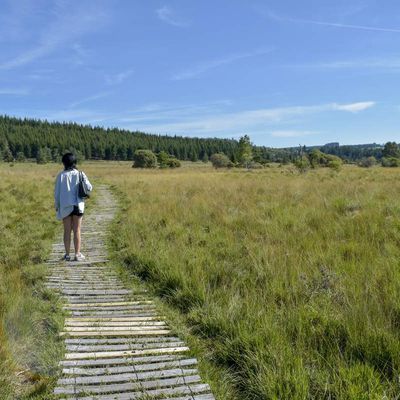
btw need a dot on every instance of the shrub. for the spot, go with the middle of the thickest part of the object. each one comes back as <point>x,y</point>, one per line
<point>367,162</point>
<point>7,155</point>
<point>20,157</point>
<point>144,159</point>
<point>390,162</point>
<point>220,160</point>
<point>173,163</point>
<point>335,164</point>
<point>302,164</point>
<point>255,165</point>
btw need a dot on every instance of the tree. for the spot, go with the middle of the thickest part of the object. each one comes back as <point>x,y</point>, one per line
<point>20,156</point>
<point>220,160</point>
<point>144,159</point>
<point>7,155</point>
<point>163,158</point>
<point>43,155</point>
<point>245,151</point>
<point>391,149</point>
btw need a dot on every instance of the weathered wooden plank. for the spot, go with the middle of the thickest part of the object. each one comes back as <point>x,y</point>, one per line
<point>120,360</point>
<point>119,347</point>
<point>114,323</point>
<point>130,368</point>
<point>115,334</point>
<point>75,389</point>
<point>126,377</point>
<point>125,353</point>
<point>152,339</point>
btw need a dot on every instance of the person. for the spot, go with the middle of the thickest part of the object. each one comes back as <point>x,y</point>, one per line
<point>69,206</point>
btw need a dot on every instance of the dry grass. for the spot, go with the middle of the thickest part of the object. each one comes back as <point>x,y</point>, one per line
<point>292,280</point>
<point>29,316</point>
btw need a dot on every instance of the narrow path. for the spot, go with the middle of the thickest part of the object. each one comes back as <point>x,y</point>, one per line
<point>117,346</point>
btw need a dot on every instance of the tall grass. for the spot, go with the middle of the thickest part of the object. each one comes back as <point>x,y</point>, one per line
<point>29,314</point>
<point>292,280</point>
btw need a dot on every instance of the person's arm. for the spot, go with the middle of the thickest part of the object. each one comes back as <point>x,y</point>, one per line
<point>86,180</point>
<point>57,193</point>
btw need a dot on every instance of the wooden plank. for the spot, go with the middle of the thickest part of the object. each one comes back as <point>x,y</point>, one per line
<point>126,377</point>
<point>119,347</point>
<point>75,389</point>
<point>126,353</point>
<point>113,323</point>
<point>120,360</point>
<point>121,303</point>
<point>114,334</point>
<point>86,341</point>
<point>129,368</point>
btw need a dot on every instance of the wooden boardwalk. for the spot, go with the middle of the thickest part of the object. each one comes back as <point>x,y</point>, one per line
<point>117,346</point>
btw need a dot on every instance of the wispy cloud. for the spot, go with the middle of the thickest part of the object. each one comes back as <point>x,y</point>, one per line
<point>243,121</point>
<point>14,92</point>
<point>292,133</point>
<point>115,79</point>
<point>278,17</point>
<point>206,66</point>
<point>69,22</point>
<point>89,99</point>
<point>354,107</point>
<point>169,16</point>
<point>387,64</point>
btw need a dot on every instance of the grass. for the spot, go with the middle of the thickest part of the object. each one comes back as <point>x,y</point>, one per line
<point>287,285</point>
<point>290,282</point>
<point>29,314</point>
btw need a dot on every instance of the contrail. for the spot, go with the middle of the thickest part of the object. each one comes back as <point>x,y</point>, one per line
<point>335,25</point>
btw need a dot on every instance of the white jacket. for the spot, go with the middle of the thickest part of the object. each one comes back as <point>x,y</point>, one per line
<point>66,192</point>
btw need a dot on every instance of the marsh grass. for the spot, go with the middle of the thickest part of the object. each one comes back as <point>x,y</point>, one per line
<point>30,315</point>
<point>290,281</point>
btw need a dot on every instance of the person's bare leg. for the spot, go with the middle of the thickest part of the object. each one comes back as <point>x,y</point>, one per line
<point>76,226</point>
<point>67,221</point>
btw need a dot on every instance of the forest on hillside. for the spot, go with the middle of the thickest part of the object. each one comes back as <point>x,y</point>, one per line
<point>27,138</point>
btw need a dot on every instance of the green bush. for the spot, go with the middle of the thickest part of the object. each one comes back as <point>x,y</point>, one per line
<point>144,159</point>
<point>220,160</point>
<point>367,162</point>
<point>302,164</point>
<point>173,163</point>
<point>390,162</point>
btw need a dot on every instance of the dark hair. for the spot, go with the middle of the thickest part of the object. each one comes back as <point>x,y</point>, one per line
<point>69,160</point>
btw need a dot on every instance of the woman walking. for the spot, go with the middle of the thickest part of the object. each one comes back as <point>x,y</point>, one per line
<point>69,206</point>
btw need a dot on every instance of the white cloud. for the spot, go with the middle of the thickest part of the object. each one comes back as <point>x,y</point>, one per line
<point>354,107</point>
<point>69,22</point>
<point>168,15</point>
<point>203,67</point>
<point>233,123</point>
<point>118,78</point>
<point>292,133</point>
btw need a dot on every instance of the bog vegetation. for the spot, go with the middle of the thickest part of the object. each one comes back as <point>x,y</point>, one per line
<point>29,314</point>
<point>290,281</point>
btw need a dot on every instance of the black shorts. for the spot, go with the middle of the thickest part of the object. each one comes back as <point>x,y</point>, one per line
<point>76,212</point>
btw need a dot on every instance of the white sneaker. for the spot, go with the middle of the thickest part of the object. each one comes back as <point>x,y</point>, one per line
<point>79,257</point>
<point>66,257</point>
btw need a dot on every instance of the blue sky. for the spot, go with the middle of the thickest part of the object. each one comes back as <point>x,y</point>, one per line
<point>285,72</point>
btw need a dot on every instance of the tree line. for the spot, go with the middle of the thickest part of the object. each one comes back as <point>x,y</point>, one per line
<point>45,141</point>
